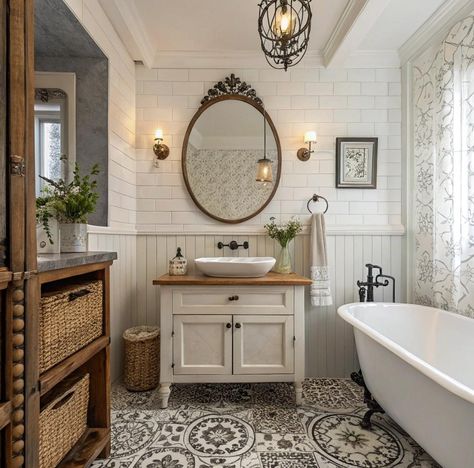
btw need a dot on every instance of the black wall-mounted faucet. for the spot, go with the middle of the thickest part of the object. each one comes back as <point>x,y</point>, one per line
<point>233,245</point>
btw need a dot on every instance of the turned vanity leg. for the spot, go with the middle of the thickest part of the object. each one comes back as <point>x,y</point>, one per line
<point>299,392</point>
<point>164,393</point>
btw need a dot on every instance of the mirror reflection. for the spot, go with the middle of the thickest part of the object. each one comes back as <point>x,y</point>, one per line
<point>231,161</point>
<point>50,135</point>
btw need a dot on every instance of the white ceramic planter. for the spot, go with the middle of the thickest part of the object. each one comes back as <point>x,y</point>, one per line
<point>73,237</point>
<point>44,246</point>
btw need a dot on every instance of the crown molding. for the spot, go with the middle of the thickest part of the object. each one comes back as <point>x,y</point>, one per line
<point>437,26</point>
<point>352,27</point>
<point>231,60</point>
<point>125,18</point>
<point>343,25</point>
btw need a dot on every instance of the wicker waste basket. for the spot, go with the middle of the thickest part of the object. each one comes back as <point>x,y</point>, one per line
<point>142,358</point>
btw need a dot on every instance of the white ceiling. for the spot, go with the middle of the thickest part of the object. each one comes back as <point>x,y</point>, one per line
<point>399,20</point>
<point>188,25</point>
<point>155,30</point>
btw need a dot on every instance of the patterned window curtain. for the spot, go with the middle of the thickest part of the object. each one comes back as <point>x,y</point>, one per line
<point>443,90</point>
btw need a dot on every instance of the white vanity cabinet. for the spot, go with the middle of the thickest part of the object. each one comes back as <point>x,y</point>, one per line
<point>231,330</point>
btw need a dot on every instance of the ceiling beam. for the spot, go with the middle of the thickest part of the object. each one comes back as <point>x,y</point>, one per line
<point>124,16</point>
<point>353,26</point>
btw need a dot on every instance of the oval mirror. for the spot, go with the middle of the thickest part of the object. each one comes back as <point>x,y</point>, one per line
<point>222,148</point>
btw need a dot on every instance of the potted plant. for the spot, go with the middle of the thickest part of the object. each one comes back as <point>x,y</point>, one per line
<point>284,234</point>
<point>71,203</point>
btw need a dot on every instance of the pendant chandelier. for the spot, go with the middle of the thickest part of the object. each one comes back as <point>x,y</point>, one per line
<point>284,27</point>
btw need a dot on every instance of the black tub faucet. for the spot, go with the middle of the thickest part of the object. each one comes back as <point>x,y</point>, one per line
<point>366,288</point>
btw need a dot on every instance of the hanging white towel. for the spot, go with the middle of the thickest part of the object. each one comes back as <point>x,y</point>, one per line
<point>320,289</point>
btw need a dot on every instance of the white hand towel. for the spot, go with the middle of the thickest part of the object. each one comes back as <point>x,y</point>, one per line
<point>320,289</point>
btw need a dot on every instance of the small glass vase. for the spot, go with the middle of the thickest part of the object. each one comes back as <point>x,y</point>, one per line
<point>283,263</point>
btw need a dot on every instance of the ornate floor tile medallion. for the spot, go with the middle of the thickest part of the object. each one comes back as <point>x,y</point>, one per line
<point>340,438</point>
<point>216,435</point>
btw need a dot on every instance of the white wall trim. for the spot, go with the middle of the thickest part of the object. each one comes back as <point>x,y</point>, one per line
<point>126,20</point>
<point>254,59</point>
<point>353,26</point>
<point>105,230</point>
<point>240,231</point>
<point>436,26</point>
<point>219,59</point>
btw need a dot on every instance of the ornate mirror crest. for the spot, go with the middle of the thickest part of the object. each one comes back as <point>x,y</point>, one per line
<point>45,94</point>
<point>232,85</point>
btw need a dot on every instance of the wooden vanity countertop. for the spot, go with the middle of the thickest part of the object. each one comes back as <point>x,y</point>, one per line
<point>270,279</point>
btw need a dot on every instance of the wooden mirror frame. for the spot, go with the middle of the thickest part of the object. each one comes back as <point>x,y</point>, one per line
<point>207,102</point>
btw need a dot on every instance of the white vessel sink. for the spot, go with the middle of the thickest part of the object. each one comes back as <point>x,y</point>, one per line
<point>241,267</point>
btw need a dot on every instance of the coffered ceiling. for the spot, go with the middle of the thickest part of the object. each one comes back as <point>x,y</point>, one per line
<point>164,33</point>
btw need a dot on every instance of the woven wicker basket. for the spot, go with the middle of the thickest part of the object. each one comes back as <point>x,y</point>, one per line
<point>70,318</point>
<point>63,420</point>
<point>142,358</point>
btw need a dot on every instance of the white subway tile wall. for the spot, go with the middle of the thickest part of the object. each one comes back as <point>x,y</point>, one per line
<point>122,162</point>
<point>335,103</point>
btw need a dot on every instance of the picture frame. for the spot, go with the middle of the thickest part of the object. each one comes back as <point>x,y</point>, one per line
<point>356,162</point>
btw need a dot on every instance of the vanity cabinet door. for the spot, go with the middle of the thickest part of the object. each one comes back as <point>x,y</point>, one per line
<point>263,344</point>
<point>202,344</point>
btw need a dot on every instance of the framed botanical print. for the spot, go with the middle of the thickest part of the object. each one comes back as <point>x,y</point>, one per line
<point>356,162</point>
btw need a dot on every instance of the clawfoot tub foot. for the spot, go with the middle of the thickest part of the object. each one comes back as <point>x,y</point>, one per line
<point>366,422</point>
<point>369,400</point>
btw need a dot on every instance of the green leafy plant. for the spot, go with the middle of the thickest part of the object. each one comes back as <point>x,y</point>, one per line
<point>283,233</point>
<point>45,212</point>
<point>68,202</point>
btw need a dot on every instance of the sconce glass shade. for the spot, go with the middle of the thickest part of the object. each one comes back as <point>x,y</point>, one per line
<point>158,134</point>
<point>310,137</point>
<point>264,170</point>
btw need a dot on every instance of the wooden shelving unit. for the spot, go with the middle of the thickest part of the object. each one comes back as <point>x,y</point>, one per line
<point>89,447</point>
<point>53,376</point>
<point>92,359</point>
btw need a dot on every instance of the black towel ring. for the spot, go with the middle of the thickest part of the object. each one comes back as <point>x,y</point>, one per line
<point>315,198</point>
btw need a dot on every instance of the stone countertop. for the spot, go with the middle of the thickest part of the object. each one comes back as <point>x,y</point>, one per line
<point>48,262</point>
<point>270,279</point>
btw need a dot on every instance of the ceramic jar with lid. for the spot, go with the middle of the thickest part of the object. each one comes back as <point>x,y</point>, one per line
<point>178,265</point>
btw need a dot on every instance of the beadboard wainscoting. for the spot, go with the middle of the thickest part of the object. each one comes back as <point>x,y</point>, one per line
<point>330,348</point>
<point>122,288</point>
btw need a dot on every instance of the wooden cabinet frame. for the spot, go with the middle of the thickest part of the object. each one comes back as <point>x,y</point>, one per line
<point>18,279</point>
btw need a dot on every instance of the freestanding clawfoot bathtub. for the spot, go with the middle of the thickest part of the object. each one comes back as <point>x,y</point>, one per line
<point>418,363</point>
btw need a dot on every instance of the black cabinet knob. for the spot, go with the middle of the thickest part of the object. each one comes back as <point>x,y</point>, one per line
<point>229,325</point>
<point>238,325</point>
<point>233,298</point>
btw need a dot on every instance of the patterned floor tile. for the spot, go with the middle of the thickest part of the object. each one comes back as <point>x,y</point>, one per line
<point>332,394</point>
<point>288,460</point>
<point>256,426</point>
<point>275,419</point>
<point>283,443</point>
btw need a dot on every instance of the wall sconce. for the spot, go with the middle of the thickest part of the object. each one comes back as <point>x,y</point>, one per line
<point>161,150</point>
<point>305,153</point>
